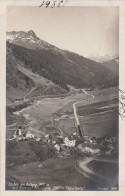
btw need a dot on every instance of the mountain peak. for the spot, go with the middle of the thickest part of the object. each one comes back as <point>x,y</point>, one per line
<point>29,40</point>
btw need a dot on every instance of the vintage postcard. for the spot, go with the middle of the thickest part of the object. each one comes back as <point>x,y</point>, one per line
<point>62,70</point>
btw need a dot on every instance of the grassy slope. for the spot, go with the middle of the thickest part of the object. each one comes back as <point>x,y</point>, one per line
<point>50,173</point>
<point>18,84</point>
<point>43,85</point>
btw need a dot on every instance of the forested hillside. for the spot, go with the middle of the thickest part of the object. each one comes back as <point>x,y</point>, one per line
<point>112,65</point>
<point>65,68</point>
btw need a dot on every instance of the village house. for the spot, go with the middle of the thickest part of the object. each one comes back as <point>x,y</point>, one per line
<point>38,139</point>
<point>29,135</point>
<point>75,133</point>
<point>87,139</point>
<point>57,147</point>
<point>87,149</point>
<point>69,143</point>
<point>54,142</point>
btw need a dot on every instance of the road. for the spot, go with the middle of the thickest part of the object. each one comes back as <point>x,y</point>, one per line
<point>84,170</point>
<point>75,114</point>
<point>75,110</point>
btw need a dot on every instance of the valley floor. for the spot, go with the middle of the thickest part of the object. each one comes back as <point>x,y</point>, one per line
<point>55,115</point>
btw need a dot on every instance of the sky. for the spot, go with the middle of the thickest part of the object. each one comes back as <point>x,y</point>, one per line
<point>88,31</point>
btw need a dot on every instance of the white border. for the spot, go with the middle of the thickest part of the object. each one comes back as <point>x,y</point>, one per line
<point>3,4</point>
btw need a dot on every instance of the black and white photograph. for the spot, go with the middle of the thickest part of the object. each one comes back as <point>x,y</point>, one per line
<point>62,98</point>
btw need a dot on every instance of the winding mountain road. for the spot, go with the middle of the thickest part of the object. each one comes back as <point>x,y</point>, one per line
<point>84,170</point>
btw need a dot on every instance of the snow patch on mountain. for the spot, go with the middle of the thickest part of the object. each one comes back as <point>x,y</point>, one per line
<point>31,41</point>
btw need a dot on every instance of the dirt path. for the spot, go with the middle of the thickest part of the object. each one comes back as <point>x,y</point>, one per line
<point>29,92</point>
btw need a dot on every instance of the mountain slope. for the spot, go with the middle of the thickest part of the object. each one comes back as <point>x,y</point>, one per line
<point>112,64</point>
<point>17,83</point>
<point>43,86</point>
<point>29,40</point>
<point>59,66</point>
<point>21,82</point>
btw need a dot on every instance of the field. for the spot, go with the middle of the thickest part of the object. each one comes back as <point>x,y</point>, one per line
<point>55,172</point>
<point>62,172</point>
<point>99,107</point>
<point>58,171</point>
<point>98,116</point>
<point>107,169</point>
<point>44,112</point>
<point>104,168</point>
<point>100,125</point>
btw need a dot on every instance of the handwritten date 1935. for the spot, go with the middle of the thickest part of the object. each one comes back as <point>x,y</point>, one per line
<point>58,3</point>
